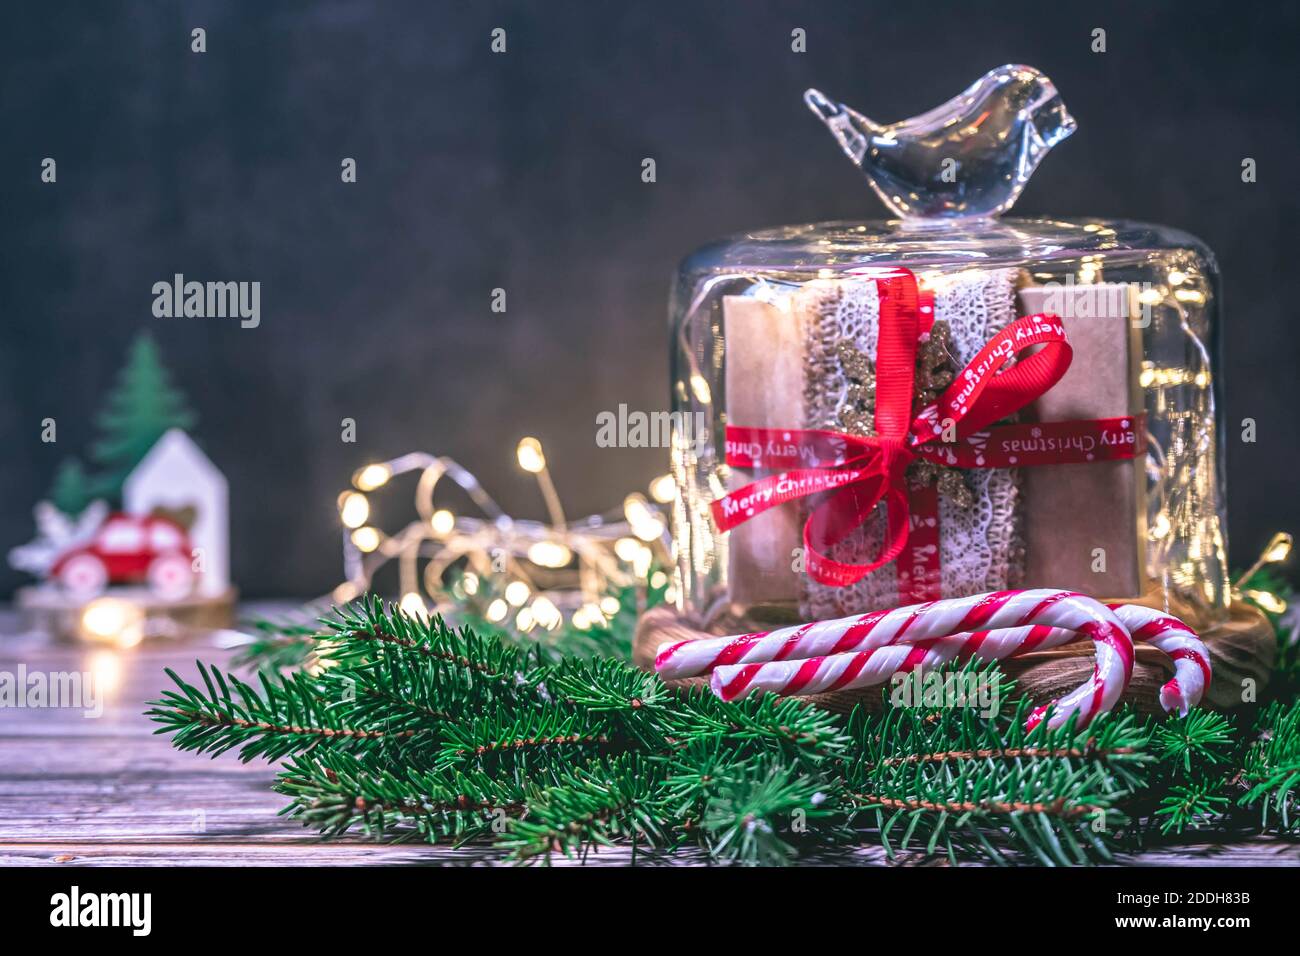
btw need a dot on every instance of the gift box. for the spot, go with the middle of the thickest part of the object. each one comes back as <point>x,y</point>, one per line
<point>947,403</point>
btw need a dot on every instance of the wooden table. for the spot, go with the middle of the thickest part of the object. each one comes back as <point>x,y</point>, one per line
<point>77,790</point>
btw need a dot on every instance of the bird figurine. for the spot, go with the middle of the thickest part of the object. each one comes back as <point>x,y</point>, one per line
<point>968,158</point>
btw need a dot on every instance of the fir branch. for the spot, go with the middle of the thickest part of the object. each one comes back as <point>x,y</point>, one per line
<point>1271,769</point>
<point>334,792</point>
<point>595,804</point>
<point>523,740</point>
<point>289,716</point>
<point>1191,806</point>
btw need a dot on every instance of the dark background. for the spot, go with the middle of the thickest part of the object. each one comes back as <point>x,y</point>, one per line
<point>523,171</point>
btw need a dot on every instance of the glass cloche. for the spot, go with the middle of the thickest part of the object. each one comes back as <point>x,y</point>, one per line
<point>870,414</point>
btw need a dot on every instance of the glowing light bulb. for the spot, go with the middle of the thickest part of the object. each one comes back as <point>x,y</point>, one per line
<point>651,530</point>
<point>344,593</point>
<point>530,455</point>
<point>525,621</point>
<point>1176,277</point>
<point>646,525</point>
<point>365,538</point>
<point>442,522</point>
<point>591,616</point>
<point>642,563</point>
<point>372,476</point>
<point>469,583</point>
<point>546,613</point>
<point>549,554</point>
<point>354,509</point>
<point>413,605</point>
<point>658,579</point>
<point>517,593</point>
<point>1267,600</point>
<point>497,610</point>
<point>113,620</point>
<point>701,389</point>
<point>1279,548</point>
<point>609,605</point>
<point>663,489</point>
<point>627,549</point>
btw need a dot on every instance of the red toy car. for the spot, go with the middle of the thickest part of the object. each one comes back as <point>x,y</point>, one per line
<point>129,549</point>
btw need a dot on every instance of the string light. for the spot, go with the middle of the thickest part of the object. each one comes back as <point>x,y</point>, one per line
<point>530,455</point>
<point>365,538</point>
<point>501,565</point>
<point>549,554</point>
<point>546,613</point>
<point>1267,600</point>
<point>1276,551</point>
<point>110,620</point>
<point>413,605</point>
<point>372,476</point>
<point>442,522</point>
<point>663,489</point>
<point>354,509</point>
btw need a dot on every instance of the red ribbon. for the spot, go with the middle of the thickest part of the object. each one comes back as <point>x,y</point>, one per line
<point>856,474</point>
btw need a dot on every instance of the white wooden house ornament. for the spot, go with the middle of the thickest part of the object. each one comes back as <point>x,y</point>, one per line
<point>175,475</point>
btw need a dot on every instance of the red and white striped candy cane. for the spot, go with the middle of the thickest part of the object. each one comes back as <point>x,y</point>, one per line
<point>744,656</point>
<point>877,665</point>
<point>998,609</point>
<point>1179,642</point>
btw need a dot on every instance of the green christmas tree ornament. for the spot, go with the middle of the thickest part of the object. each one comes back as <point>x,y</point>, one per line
<point>141,408</point>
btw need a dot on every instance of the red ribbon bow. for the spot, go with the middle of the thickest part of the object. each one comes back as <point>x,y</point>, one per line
<point>859,473</point>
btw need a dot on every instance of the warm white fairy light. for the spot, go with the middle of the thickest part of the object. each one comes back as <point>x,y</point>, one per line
<point>549,554</point>
<point>546,613</point>
<point>1276,551</point>
<point>443,522</point>
<point>530,455</point>
<point>626,549</point>
<point>372,476</point>
<point>354,509</point>
<point>663,489</point>
<point>413,605</point>
<point>111,620</point>
<point>508,564</point>
<point>1279,549</point>
<point>366,538</point>
<point>609,606</point>
<point>1267,600</point>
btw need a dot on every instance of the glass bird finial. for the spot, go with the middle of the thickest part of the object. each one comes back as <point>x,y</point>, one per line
<point>966,159</point>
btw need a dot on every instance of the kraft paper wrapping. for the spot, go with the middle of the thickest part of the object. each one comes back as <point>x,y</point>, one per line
<point>764,389</point>
<point>1072,510</point>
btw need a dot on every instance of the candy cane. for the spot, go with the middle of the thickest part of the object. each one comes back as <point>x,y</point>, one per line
<point>1174,638</point>
<point>743,657</point>
<point>875,666</point>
